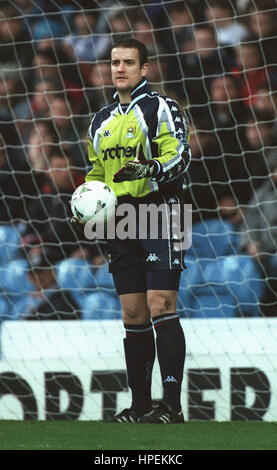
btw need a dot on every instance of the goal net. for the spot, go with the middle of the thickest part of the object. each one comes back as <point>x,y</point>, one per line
<point>61,333</point>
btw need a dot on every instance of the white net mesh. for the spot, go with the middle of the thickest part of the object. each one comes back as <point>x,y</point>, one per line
<point>219,60</point>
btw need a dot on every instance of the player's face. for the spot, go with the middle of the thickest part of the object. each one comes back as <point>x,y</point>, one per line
<point>126,68</point>
<point>60,172</point>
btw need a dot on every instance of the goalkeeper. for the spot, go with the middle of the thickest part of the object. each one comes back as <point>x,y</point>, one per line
<point>146,272</point>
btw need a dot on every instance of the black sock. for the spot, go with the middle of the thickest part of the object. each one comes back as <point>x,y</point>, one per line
<point>139,346</point>
<point>171,351</point>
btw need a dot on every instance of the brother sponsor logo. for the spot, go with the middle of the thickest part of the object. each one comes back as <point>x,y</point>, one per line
<point>118,152</point>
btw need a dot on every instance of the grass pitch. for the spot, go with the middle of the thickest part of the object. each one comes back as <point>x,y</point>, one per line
<point>97,436</point>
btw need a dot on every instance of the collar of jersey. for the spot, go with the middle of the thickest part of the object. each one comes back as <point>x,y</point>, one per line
<point>139,91</point>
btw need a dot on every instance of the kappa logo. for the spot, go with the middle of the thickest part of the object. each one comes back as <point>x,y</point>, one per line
<point>170,378</point>
<point>107,133</point>
<point>152,257</point>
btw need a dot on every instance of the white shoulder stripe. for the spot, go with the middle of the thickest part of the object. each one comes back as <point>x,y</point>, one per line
<point>96,138</point>
<point>166,115</point>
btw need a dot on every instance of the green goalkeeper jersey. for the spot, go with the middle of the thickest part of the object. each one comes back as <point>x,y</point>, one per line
<point>153,120</point>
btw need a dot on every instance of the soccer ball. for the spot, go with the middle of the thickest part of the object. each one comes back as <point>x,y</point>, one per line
<point>93,201</point>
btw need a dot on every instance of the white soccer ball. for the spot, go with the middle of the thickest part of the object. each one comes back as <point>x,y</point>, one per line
<point>93,201</point>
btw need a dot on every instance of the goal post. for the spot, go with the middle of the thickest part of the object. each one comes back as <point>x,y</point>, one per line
<point>61,352</point>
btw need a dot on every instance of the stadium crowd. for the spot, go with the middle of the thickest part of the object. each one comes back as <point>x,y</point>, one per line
<point>220,62</point>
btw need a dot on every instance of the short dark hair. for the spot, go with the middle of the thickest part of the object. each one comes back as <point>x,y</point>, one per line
<point>127,43</point>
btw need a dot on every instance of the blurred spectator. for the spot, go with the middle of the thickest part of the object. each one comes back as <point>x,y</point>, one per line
<point>178,37</point>
<point>29,8</point>
<point>120,22</point>
<point>42,139</point>
<point>222,15</point>
<point>259,235</point>
<point>47,66</point>
<point>155,11</point>
<point>227,113</point>
<point>156,74</point>
<point>47,301</point>
<point>85,44</point>
<point>115,22</point>
<point>11,91</point>
<point>182,17</point>
<point>52,23</point>
<point>201,64</point>
<point>229,209</point>
<point>40,142</point>
<point>38,104</point>
<point>109,8</point>
<point>63,121</point>
<point>205,151</point>
<point>143,32</point>
<point>47,222</point>
<point>250,70</point>
<point>260,143</point>
<point>15,39</point>
<point>213,173</point>
<point>266,99</point>
<point>13,179</point>
<point>98,88</point>
<point>263,25</point>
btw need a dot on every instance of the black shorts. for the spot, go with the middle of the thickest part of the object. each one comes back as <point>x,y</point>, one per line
<point>154,244</point>
<point>135,279</point>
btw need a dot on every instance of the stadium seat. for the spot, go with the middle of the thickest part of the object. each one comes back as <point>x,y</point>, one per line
<point>14,279</point>
<point>213,238</point>
<point>9,243</point>
<point>197,298</point>
<point>101,305</point>
<point>239,277</point>
<point>77,276</point>
<point>213,306</point>
<point>223,287</point>
<point>48,29</point>
<point>17,309</point>
<point>14,287</point>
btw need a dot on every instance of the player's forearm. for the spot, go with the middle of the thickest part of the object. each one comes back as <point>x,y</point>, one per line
<point>164,169</point>
<point>169,172</point>
<point>173,154</point>
<point>173,163</point>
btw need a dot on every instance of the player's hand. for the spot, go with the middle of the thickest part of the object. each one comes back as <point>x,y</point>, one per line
<point>137,169</point>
